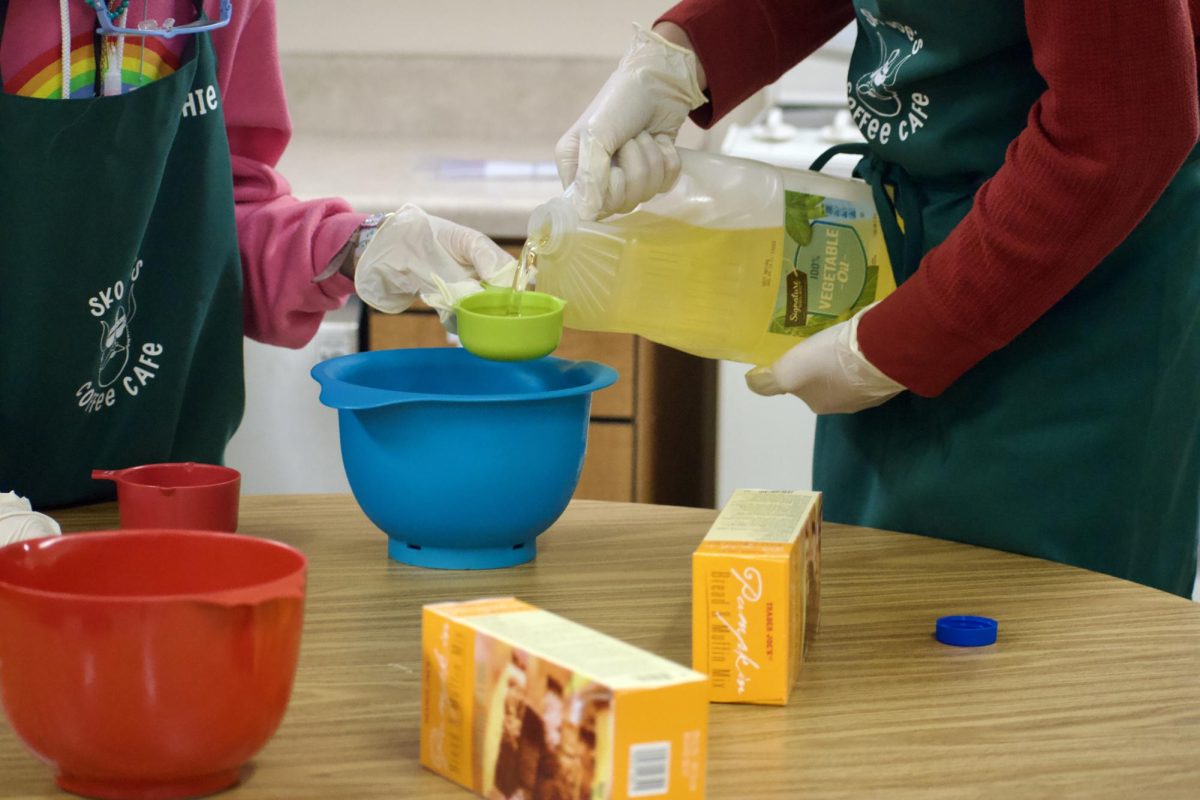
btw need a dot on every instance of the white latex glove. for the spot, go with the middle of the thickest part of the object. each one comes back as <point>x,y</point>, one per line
<point>446,295</point>
<point>621,152</point>
<point>411,248</point>
<point>827,371</point>
<point>19,522</point>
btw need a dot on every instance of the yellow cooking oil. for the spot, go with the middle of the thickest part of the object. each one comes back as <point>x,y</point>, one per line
<point>525,265</point>
<point>706,291</point>
<point>738,260</point>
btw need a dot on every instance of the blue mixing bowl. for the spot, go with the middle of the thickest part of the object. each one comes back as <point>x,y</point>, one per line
<point>462,461</point>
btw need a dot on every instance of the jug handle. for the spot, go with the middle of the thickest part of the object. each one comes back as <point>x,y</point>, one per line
<point>106,474</point>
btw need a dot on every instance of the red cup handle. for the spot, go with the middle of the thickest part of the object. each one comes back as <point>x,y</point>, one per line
<point>105,474</point>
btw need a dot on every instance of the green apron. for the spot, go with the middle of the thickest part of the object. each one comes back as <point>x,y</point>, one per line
<point>1078,442</point>
<point>121,311</point>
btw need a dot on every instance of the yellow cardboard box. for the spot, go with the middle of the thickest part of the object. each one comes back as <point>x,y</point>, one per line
<point>756,588</point>
<point>520,703</point>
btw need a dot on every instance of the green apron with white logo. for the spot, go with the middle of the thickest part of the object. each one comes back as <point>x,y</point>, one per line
<point>1078,442</point>
<point>121,306</point>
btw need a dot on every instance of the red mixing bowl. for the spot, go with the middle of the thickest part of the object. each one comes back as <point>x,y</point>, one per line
<point>148,663</point>
<point>202,497</point>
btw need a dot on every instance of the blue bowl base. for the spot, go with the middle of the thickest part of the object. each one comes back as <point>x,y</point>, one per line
<point>451,558</point>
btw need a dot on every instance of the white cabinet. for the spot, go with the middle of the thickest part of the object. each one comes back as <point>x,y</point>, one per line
<point>288,441</point>
<point>767,442</point>
<point>762,442</point>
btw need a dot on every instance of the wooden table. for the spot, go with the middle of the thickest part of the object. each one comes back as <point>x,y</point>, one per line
<point>1092,691</point>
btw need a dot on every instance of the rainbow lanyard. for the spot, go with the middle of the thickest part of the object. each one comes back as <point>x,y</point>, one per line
<point>110,51</point>
<point>109,39</point>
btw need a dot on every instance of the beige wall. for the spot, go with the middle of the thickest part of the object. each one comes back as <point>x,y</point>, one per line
<point>587,28</point>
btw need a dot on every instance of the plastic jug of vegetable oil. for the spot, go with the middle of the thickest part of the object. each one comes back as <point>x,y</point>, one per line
<point>738,260</point>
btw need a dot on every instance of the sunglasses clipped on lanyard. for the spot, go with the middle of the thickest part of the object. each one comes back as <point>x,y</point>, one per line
<point>163,30</point>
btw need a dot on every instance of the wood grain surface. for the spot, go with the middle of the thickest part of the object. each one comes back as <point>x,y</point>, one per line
<point>1092,691</point>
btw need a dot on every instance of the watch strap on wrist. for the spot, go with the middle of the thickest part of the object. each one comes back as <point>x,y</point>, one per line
<point>349,253</point>
<point>366,232</point>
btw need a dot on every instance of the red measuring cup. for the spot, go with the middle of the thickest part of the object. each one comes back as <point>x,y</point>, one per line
<point>183,495</point>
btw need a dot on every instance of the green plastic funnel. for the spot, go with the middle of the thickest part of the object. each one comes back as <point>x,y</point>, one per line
<point>488,328</point>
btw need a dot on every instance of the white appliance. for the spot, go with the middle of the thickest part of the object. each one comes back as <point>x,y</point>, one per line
<point>288,442</point>
<point>767,441</point>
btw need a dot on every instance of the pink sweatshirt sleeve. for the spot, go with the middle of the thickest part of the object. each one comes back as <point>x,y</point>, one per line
<point>284,242</point>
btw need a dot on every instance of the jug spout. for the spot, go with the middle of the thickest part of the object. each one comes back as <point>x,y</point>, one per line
<point>552,223</point>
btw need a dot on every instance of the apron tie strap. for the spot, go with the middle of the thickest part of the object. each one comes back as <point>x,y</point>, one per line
<point>851,148</point>
<point>899,209</point>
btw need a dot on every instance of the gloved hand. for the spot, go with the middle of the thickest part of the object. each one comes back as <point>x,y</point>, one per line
<point>827,371</point>
<point>411,248</point>
<point>19,522</point>
<point>621,152</point>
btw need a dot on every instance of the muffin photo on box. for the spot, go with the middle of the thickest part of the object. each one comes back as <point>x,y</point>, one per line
<point>537,730</point>
<point>520,704</point>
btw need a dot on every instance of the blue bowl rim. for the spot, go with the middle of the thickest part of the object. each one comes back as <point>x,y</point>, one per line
<point>341,394</point>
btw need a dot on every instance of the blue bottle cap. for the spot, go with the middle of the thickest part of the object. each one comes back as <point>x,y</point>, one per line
<point>967,631</point>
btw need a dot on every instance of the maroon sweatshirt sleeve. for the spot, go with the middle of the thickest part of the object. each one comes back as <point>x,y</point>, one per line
<point>1117,120</point>
<point>746,44</point>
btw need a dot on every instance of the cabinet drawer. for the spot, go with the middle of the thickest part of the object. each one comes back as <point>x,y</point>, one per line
<point>608,466</point>
<point>422,329</point>
<point>410,329</point>
<point>617,350</point>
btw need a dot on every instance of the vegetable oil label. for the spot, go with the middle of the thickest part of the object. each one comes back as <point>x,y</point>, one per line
<point>835,262</point>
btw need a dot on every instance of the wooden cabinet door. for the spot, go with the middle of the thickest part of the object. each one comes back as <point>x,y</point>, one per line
<point>608,465</point>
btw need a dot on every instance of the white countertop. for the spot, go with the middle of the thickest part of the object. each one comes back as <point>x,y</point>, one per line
<point>491,186</point>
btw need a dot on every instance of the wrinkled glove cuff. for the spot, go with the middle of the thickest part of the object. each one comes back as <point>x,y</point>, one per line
<point>872,378</point>
<point>680,61</point>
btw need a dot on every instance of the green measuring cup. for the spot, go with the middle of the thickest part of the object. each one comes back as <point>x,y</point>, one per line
<point>488,328</point>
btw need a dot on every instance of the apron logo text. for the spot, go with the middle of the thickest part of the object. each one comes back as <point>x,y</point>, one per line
<point>201,101</point>
<point>875,130</point>
<point>877,108</point>
<point>92,398</point>
<point>115,307</point>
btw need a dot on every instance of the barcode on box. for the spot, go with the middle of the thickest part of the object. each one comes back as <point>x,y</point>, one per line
<point>649,769</point>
